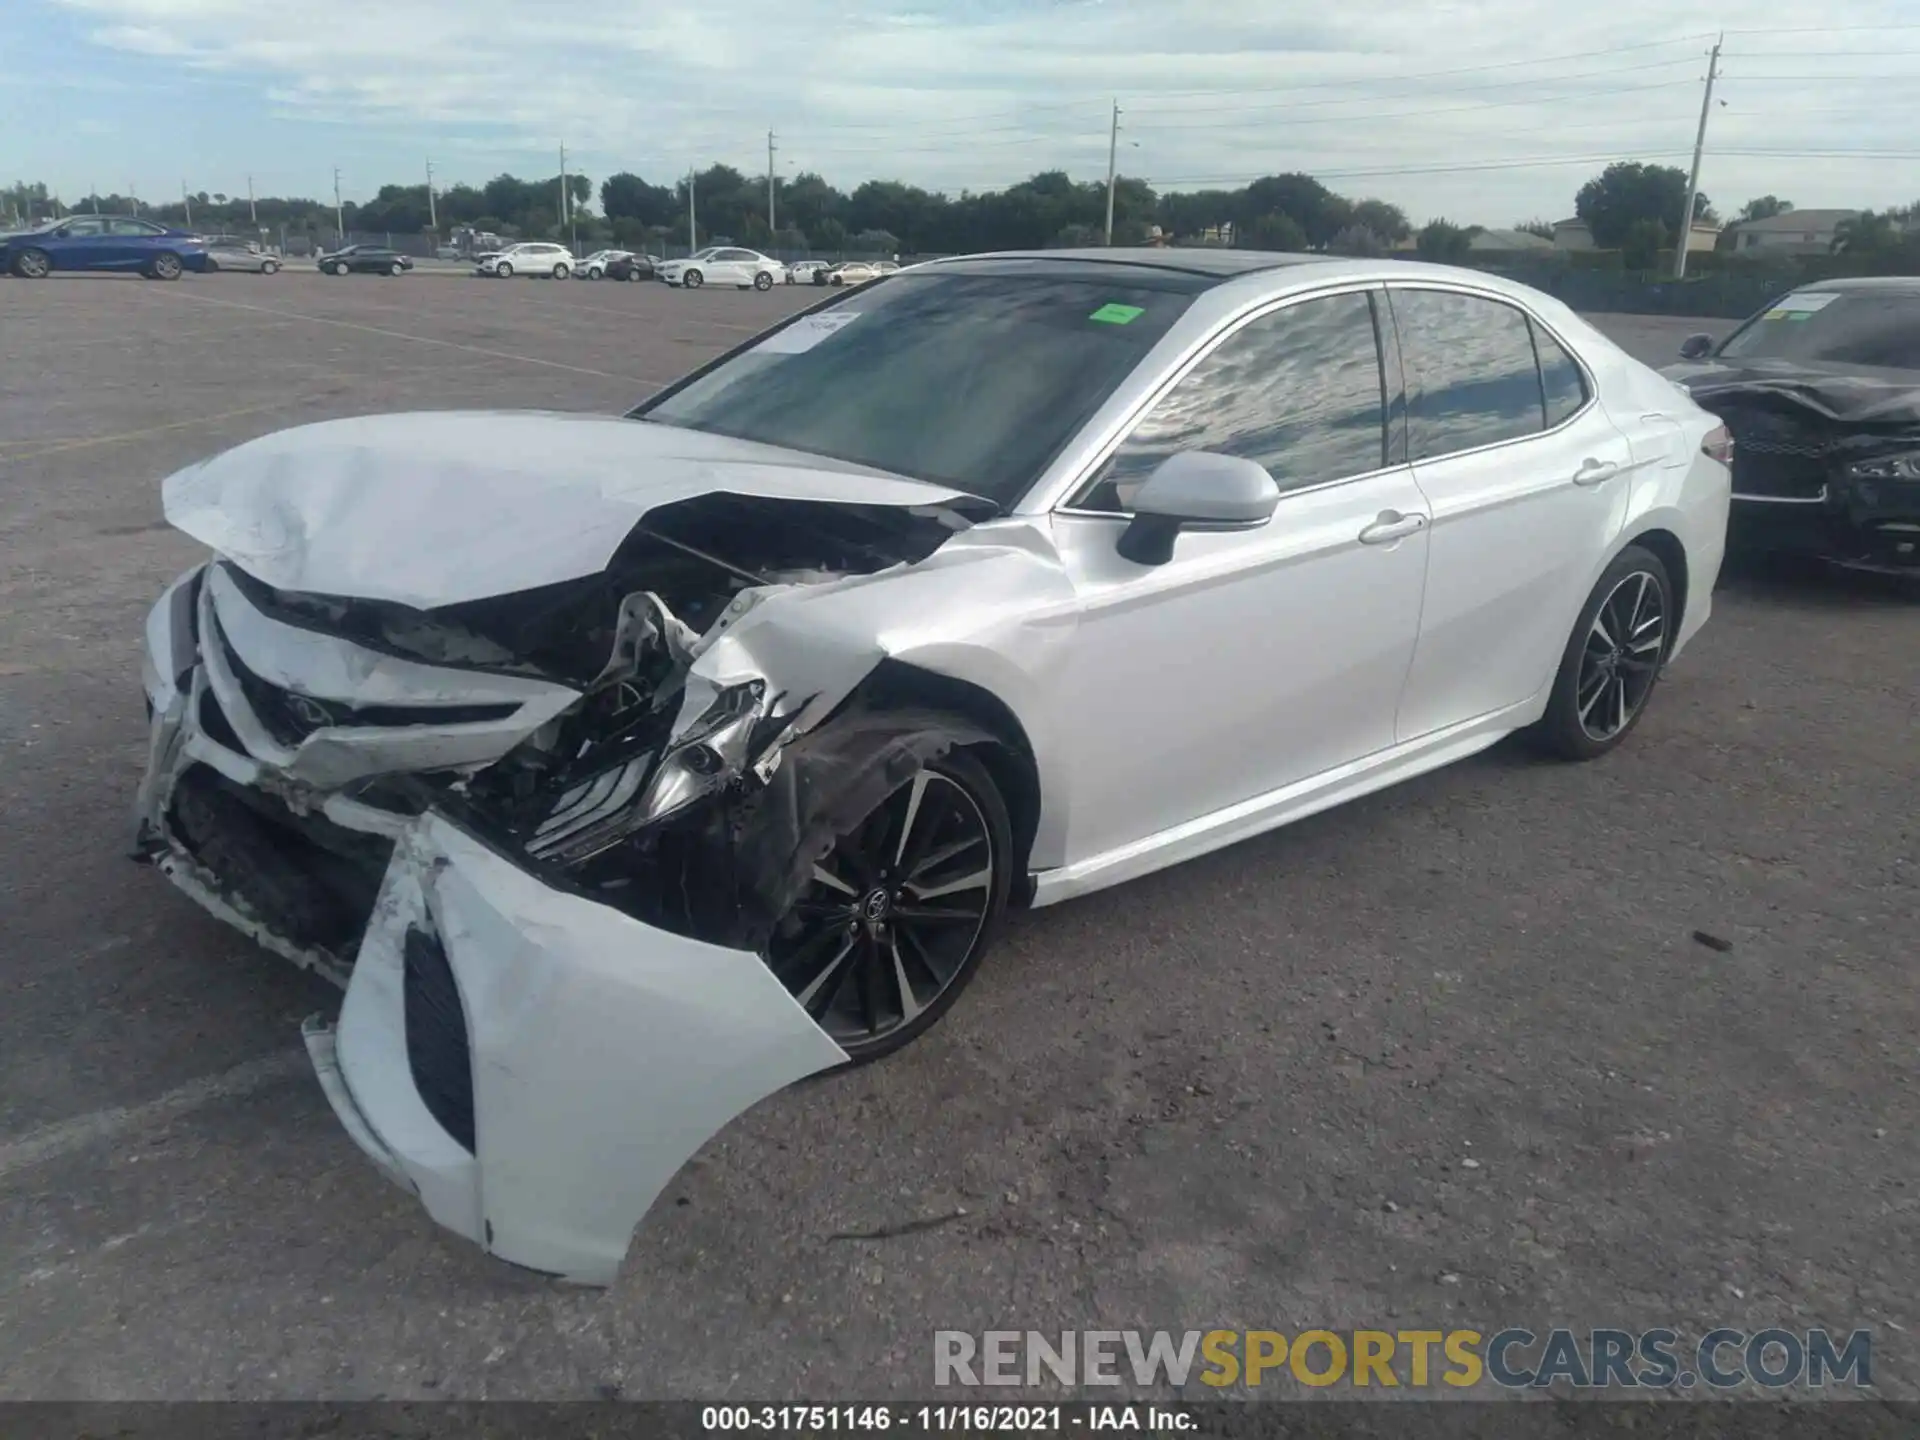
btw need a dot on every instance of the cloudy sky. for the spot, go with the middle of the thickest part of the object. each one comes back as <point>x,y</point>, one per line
<point>1489,111</point>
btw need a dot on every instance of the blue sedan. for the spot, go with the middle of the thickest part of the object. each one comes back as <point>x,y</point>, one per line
<point>103,242</point>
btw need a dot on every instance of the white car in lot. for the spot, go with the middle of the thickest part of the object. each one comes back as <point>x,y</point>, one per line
<point>625,770</point>
<point>725,265</point>
<point>532,257</point>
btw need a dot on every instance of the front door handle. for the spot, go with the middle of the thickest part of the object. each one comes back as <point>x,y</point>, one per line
<point>1595,472</point>
<point>1391,525</point>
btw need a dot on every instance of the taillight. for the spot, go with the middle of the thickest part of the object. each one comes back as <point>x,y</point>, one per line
<point>1718,445</point>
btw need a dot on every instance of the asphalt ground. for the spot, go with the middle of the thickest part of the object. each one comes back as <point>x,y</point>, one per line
<point>1450,1056</point>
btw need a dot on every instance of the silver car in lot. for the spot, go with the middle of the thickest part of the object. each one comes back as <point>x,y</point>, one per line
<point>625,770</point>
<point>225,252</point>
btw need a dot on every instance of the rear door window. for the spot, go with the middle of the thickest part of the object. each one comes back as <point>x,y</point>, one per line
<point>1472,375</point>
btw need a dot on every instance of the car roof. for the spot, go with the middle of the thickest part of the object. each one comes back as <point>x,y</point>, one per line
<point>1881,284</point>
<point>1196,260</point>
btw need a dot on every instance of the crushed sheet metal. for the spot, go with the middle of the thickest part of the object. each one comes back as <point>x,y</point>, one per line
<point>605,1052</point>
<point>438,508</point>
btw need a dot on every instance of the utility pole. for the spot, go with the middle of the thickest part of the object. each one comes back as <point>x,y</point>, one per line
<point>693,244</point>
<point>566,205</point>
<point>96,199</point>
<point>339,211</point>
<point>133,199</point>
<point>1113,155</point>
<point>253,213</point>
<point>186,202</point>
<point>770,229</point>
<point>1693,178</point>
<point>433,217</point>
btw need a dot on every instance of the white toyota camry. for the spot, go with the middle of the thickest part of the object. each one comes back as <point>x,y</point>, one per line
<point>625,770</point>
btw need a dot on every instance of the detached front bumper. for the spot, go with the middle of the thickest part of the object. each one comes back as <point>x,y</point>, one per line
<point>535,1065</point>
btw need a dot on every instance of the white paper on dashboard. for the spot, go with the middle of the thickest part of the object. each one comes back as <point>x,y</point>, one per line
<point>806,332</point>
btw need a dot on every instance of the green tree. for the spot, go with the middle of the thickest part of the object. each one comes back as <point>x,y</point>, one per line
<point>1868,233</point>
<point>627,197</point>
<point>1357,240</point>
<point>1765,207</point>
<point>1273,231</point>
<point>1535,227</point>
<point>1443,242</point>
<point>1627,192</point>
<point>1640,247</point>
<point>1388,222</point>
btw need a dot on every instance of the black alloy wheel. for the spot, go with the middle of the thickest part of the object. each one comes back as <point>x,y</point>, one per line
<point>900,911</point>
<point>1613,659</point>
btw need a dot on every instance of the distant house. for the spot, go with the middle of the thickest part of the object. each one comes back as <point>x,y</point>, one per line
<point>1572,235</point>
<point>1794,232</point>
<point>1509,240</point>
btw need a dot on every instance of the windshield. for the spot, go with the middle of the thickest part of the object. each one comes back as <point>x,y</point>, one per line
<point>971,381</point>
<point>1833,327</point>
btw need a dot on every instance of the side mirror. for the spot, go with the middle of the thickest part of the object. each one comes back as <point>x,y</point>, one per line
<point>1196,490</point>
<point>1696,347</point>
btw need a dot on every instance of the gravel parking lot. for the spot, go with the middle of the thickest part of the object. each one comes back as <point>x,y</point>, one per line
<point>1451,1056</point>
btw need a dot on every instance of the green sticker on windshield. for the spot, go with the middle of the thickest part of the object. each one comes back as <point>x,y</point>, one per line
<point>1117,314</point>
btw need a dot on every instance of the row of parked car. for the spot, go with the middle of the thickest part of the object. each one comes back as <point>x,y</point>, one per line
<point>716,264</point>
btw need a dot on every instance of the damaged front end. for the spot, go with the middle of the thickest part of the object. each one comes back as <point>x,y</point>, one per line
<point>533,836</point>
<point>1824,465</point>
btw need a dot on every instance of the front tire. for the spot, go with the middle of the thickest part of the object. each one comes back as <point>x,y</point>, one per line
<point>396,268</point>
<point>693,279</point>
<point>503,271</point>
<point>336,269</point>
<point>901,910</point>
<point>32,264</point>
<point>1612,661</point>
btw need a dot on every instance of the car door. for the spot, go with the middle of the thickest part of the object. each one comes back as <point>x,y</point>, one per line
<point>1254,659</point>
<point>80,244</point>
<point>131,244</point>
<point>1527,479</point>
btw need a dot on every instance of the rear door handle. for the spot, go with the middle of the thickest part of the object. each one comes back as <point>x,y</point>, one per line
<point>1595,472</point>
<point>1391,525</point>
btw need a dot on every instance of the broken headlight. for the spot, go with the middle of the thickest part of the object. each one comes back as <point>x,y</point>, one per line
<point>1887,467</point>
<point>712,752</point>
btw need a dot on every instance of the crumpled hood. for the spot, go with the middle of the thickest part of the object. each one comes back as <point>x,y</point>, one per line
<point>1850,394</point>
<point>436,508</point>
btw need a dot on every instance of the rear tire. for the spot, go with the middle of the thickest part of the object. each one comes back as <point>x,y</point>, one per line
<point>1611,665</point>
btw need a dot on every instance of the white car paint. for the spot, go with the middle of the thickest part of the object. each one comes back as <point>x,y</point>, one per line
<point>1354,685</point>
<point>724,265</point>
